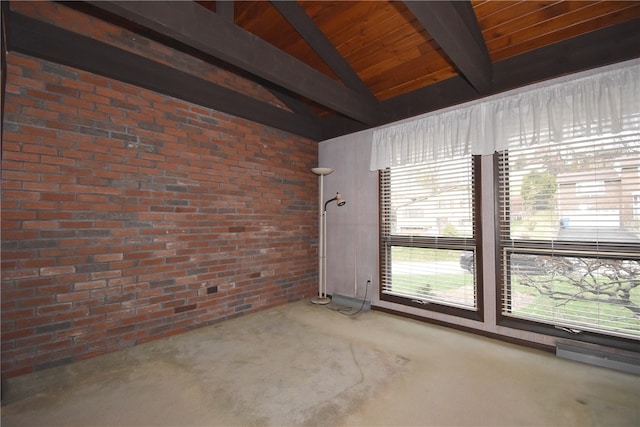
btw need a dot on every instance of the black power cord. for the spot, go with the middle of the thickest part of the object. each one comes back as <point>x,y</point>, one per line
<point>346,310</point>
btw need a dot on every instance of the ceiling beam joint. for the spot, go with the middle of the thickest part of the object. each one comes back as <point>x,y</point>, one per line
<point>309,31</point>
<point>453,25</point>
<point>199,28</point>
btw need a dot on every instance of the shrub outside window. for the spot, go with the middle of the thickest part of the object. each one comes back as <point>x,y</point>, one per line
<point>569,236</point>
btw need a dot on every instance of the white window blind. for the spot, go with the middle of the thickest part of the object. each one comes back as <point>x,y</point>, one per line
<point>570,233</point>
<point>428,234</point>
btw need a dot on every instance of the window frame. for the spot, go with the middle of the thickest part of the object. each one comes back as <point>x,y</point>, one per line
<point>386,243</point>
<point>570,248</point>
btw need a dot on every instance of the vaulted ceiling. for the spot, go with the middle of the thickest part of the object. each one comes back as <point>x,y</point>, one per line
<point>342,66</point>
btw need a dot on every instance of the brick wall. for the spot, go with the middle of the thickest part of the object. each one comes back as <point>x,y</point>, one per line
<point>128,216</point>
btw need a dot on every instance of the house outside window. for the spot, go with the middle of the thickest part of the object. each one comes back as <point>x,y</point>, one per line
<point>569,236</point>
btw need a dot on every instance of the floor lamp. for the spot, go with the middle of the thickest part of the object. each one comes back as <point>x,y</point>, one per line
<point>322,250</point>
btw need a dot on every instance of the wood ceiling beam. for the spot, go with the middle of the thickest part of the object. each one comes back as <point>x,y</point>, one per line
<point>596,49</point>
<point>454,26</point>
<point>225,9</point>
<point>304,25</point>
<point>199,28</point>
<point>4,9</point>
<point>42,40</point>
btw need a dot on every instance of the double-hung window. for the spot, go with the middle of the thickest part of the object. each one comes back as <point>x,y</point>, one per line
<point>429,254</point>
<point>569,235</point>
<point>565,224</point>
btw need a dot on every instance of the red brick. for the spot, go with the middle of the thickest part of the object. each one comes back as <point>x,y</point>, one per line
<point>16,334</point>
<point>40,149</point>
<point>39,225</point>
<point>39,205</point>
<point>45,309</point>
<point>10,175</point>
<point>21,61</point>
<point>40,132</point>
<point>19,274</point>
<point>55,271</point>
<point>93,284</point>
<point>72,296</point>
<point>41,187</point>
<point>15,294</point>
<point>122,235</point>
<point>56,345</point>
<point>18,137</point>
<point>36,301</point>
<point>34,340</point>
<point>45,170</point>
<point>19,215</point>
<point>56,160</point>
<point>76,314</point>
<point>27,83</point>
<point>79,103</point>
<point>20,156</point>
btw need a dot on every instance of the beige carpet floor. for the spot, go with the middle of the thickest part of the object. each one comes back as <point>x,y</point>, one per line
<point>303,364</point>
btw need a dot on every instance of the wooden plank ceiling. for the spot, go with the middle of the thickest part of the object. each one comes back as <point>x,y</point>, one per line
<point>345,66</point>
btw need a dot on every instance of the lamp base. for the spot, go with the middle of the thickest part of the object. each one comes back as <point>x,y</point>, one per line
<point>320,300</point>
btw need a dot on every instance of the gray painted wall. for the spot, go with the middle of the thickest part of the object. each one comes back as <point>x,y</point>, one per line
<point>353,230</point>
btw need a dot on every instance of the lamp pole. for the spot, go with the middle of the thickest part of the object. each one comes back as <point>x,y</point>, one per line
<point>322,262</point>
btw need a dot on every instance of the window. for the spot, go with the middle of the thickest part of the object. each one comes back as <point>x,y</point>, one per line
<point>566,220</point>
<point>569,236</point>
<point>428,245</point>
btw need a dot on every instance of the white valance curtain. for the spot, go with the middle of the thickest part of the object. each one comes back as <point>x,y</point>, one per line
<point>585,104</point>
